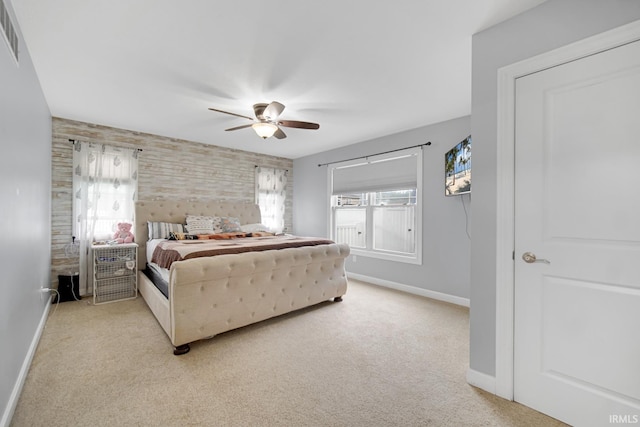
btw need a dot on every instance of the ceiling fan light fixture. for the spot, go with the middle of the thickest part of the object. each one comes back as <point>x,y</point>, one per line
<point>267,122</point>
<point>264,129</point>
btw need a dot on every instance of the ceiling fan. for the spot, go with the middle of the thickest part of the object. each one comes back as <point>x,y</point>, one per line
<point>267,122</point>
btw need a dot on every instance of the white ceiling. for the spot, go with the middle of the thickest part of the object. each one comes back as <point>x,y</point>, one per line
<point>360,68</point>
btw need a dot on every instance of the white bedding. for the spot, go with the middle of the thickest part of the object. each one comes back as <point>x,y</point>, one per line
<point>163,272</point>
<point>151,246</point>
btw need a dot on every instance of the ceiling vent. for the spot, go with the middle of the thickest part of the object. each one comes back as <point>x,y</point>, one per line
<point>8,29</point>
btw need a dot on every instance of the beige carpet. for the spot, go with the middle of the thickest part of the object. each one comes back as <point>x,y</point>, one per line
<point>379,358</point>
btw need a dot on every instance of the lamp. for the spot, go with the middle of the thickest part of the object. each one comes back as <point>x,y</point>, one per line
<point>264,129</point>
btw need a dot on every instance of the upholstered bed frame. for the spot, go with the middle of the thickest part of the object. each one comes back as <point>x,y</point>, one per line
<point>208,296</point>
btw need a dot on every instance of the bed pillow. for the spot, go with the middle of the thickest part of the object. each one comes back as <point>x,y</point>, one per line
<point>163,230</point>
<point>200,226</point>
<point>215,221</point>
<point>229,225</point>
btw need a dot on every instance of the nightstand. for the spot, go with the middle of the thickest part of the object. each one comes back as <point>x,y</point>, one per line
<point>114,272</point>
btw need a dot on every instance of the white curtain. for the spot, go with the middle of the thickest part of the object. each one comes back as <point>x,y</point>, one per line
<point>271,192</point>
<point>105,186</point>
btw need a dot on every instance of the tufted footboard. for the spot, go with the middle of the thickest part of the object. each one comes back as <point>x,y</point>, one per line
<point>208,296</point>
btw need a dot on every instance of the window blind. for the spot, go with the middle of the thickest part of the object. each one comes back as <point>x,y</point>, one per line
<point>397,172</point>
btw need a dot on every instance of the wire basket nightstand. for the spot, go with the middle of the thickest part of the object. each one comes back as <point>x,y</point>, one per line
<point>114,272</point>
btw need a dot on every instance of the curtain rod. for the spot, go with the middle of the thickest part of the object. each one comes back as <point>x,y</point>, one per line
<point>371,155</point>
<point>73,141</point>
<point>258,166</point>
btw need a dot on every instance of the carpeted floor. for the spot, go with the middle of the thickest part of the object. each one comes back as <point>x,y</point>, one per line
<point>379,358</point>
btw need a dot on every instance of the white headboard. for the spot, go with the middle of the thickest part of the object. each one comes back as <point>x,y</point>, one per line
<point>175,211</point>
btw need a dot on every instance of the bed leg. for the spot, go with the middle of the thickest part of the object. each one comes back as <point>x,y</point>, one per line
<point>337,299</point>
<point>181,349</point>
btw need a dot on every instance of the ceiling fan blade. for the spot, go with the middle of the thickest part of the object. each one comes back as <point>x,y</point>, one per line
<point>279,134</point>
<point>273,110</point>
<point>233,114</point>
<point>297,124</point>
<point>239,127</point>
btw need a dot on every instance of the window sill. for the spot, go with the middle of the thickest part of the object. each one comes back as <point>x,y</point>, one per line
<point>407,259</point>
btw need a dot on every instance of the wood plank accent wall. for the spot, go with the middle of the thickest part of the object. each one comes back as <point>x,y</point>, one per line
<point>168,169</point>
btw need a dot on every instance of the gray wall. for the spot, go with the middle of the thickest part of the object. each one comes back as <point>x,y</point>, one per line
<point>25,185</point>
<point>553,24</point>
<point>445,248</point>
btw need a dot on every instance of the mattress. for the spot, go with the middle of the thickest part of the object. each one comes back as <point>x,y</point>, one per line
<point>159,277</point>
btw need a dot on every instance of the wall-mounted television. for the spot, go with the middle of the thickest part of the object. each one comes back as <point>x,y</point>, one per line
<point>457,169</point>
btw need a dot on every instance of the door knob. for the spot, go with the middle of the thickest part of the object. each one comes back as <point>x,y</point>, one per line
<point>530,258</point>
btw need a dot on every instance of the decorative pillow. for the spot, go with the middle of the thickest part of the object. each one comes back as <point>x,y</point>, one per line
<point>215,220</point>
<point>230,225</point>
<point>203,226</point>
<point>163,230</point>
<point>252,228</point>
<point>217,224</point>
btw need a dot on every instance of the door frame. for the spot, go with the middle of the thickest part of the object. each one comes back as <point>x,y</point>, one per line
<point>505,175</point>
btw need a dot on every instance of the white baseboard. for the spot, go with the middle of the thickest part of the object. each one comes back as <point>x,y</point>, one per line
<point>480,380</point>
<point>412,289</point>
<point>24,370</point>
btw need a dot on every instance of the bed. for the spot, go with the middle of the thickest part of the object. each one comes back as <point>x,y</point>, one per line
<point>208,295</point>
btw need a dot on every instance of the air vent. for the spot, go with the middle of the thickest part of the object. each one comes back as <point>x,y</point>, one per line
<point>8,29</point>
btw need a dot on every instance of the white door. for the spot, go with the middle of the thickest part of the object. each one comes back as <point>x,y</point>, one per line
<point>577,210</point>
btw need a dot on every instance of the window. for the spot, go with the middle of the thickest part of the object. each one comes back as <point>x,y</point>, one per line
<point>376,207</point>
<point>105,185</point>
<point>271,193</point>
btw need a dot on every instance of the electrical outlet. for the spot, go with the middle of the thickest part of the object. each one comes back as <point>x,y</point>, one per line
<point>354,258</point>
<point>45,293</point>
